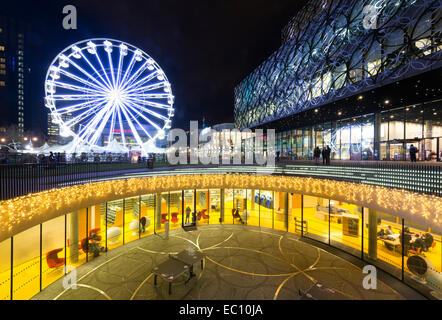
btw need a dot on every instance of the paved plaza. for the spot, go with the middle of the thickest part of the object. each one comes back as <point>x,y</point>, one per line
<point>241,263</point>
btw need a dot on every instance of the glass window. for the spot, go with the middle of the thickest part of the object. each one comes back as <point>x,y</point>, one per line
<point>165,213</point>
<point>147,214</point>
<point>414,120</point>
<point>76,233</point>
<point>255,207</point>
<point>280,212</point>
<point>367,137</point>
<point>202,206</point>
<point>382,243</point>
<point>422,255</point>
<point>346,226</point>
<point>131,219</point>
<point>396,124</point>
<point>188,206</point>
<point>315,213</point>
<point>26,264</point>
<point>355,135</point>
<point>228,206</point>
<point>5,269</point>
<point>345,139</point>
<point>215,205</point>
<point>114,217</point>
<point>266,208</point>
<point>53,246</point>
<point>295,213</point>
<point>239,205</point>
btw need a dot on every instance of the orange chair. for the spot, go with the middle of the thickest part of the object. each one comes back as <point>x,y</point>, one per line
<point>174,217</point>
<point>164,218</point>
<point>204,215</point>
<point>418,251</point>
<point>53,260</point>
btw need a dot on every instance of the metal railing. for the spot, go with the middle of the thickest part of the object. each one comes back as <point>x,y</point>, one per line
<point>22,179</point>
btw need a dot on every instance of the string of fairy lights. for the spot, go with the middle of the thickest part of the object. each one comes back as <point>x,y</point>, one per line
<point>22,213</point>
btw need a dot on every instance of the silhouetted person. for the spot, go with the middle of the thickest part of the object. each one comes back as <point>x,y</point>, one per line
<point>413,151</point>
<point>405,239</point>
<point>428,238</point>
<point>327,155</point>
<point>277,155</point>
<point>188,210</point>
<point>317,154</point>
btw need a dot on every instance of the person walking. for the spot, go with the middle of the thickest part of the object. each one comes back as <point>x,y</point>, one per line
<point>317,154</point>
<point>327,155</point>
<point>413,151</point>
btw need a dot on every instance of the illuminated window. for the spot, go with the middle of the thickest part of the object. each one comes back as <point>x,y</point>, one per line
<point>2,48</point>
<point>2,83</point>
<point>3,72</point>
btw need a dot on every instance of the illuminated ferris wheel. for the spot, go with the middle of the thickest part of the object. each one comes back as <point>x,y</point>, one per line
<point>101,90</point>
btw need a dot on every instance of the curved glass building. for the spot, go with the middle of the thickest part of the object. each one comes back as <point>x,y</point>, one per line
<point>355,75</point>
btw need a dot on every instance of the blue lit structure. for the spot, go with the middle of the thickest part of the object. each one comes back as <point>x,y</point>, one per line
<point>329,53</point>
<point>101,90</point>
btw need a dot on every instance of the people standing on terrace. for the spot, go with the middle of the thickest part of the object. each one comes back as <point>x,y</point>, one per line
<point>413,151</point>
<point>317,154</point>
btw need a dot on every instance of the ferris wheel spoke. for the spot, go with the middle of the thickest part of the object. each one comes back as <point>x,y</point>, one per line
<point>104,71</point>
<point>157,115</point>
<point>150,103</point>
<point>148,88</point>
<point>65,97</point>
<point>120,61</point>
<point>136,120</point>
<point>112,70</point>
<point>104,85</point>
<point>135,108</point>
<point>78,118</point>
<point>76,88</point>
<point>128,70</point>
<point>77,107</point>
<point>142,81</point>
<point>87,73</point>
<point>112,128</point>
<point>151,95</point>
<point>91,125</point>
<point>100,129</point>
<point>132,127</point>
<point>135,75</point>
<point>76,78</point>
<point>120,122</point>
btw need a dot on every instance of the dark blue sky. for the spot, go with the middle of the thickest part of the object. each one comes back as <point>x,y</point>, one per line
<point>205,47</point>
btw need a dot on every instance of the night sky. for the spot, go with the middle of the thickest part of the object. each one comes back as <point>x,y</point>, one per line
<point>205,47</point>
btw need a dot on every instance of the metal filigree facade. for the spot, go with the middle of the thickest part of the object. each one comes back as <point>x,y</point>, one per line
<point>337,48</point>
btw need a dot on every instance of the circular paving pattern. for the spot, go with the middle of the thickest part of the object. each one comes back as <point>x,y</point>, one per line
<point>241,263</point>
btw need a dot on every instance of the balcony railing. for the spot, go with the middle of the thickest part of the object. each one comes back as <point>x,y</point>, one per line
<point>22,179</point>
